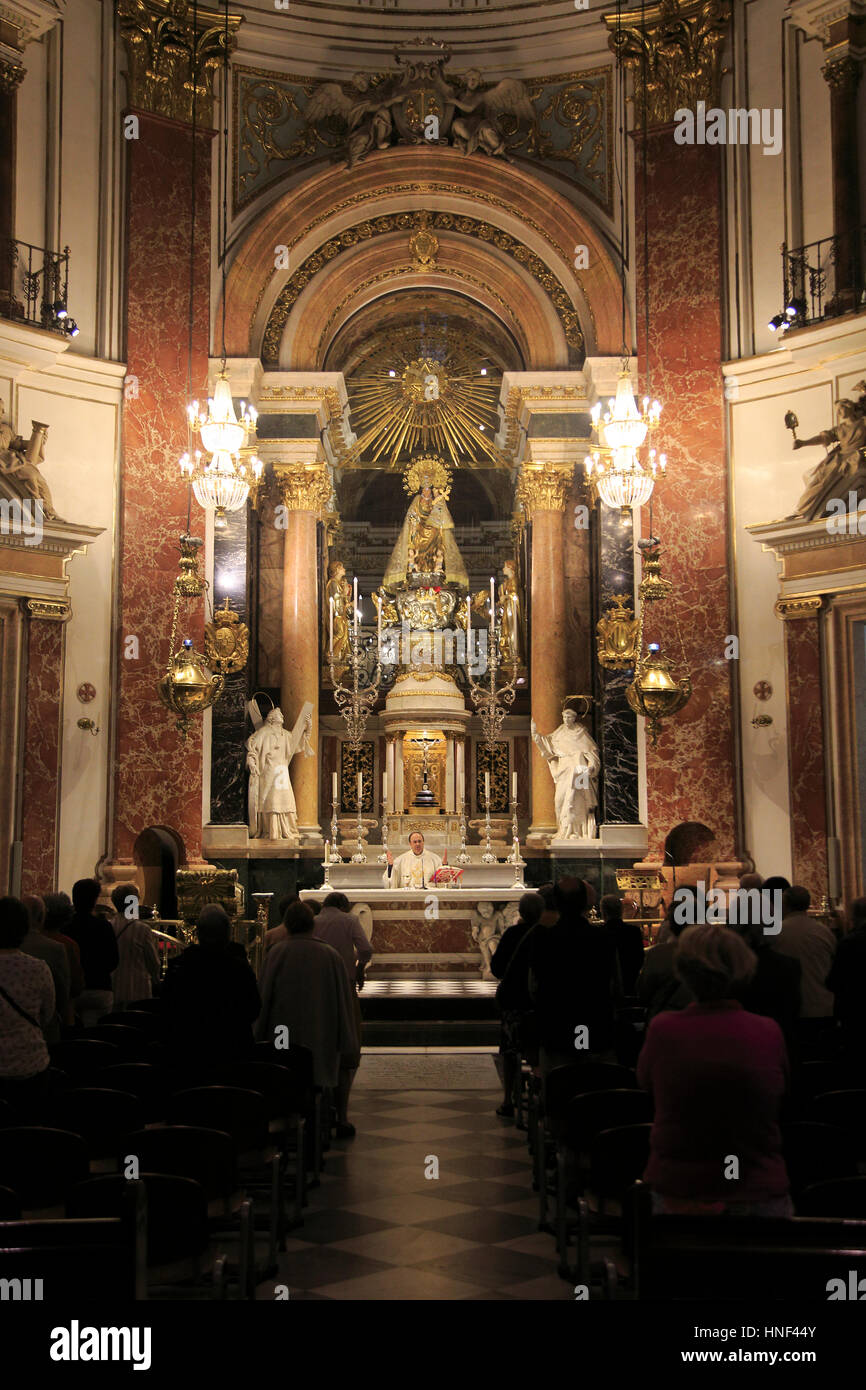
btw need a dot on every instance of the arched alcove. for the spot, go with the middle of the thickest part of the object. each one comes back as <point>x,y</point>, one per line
<point>158,852</point>
<point>690,842</point>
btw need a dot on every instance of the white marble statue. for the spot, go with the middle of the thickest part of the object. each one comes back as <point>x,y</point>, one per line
<point>487,927</point>
<point>415,868</point>
<point>574,762</point>
<point>271,801</point>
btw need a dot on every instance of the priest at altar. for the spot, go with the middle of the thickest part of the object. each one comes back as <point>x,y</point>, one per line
<point>415,868</point>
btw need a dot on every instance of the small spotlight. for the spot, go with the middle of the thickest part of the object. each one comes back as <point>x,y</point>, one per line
<point>653,647</point>
<point>392,372</point>
<point>481,427</point>
<point>776,322</point>
<point>483,371</point>
<point>71,327</point>
<point>60,309</point>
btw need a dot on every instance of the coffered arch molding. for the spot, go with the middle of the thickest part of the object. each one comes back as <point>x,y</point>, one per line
<point>507,199</point>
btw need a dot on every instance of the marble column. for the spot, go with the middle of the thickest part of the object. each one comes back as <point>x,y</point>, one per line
<point>11,75</point>
<point>840,27</point>
<point>390,768</point>
<point>304,489</point>
<point>158,776</point>
<point>842,74</point>
<point>41,762</point>
<point>807,777</point>
<point>460,783</point>
<point>21,22</point>
<point>691,775</point>
<point>542,492</point>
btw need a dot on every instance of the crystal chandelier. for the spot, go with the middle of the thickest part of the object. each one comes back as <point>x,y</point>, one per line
<point>621,469</point>
<point>222,482</point>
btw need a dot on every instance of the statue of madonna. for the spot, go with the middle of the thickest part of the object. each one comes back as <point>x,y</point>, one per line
<point>426,544</point>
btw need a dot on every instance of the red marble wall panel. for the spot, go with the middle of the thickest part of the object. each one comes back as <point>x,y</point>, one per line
<point>415,932</point>
<point>806,769</point>
<point>690,775</point>
<point>158,776</point>
<point>39,818</point>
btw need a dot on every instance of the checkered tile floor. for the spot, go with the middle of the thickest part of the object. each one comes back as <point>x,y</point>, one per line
<point>379,1229</point>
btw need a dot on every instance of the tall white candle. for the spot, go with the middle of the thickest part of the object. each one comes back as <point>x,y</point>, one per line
<point>379,631</point>
<point>327,851</point>
<point>492,600</point>
<point>514,786</point>
<point>331,625</point>
<point>360,787</point>
<point>355,600</point>
<point>487,785</point>
<point>461,788</point>
<point>333,786</point>
<point>384,789</point>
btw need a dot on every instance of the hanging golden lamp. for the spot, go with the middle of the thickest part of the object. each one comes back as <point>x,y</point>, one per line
<point>188,687</point>
<point>656,692</point>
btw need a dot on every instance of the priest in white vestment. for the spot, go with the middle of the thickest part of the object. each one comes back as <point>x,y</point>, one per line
<point>415,868</point>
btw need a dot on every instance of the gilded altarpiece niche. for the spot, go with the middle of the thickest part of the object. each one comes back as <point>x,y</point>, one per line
<point>498,767</point>
<point>351,763</point>
<point>413,771</point>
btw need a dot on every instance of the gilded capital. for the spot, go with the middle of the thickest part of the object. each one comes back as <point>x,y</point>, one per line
<point>12,74</point>
<point>543,488</point>
<point>810,607</point>
<point>303,487</point>
<point>842,74</point>
<point>674,50</point>
<point>164,40</point>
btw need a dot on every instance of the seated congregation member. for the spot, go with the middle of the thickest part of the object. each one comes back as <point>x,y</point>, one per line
<point>137,971</point>
<point>812,943</point>
<point>305,989</point>
<point>37,944</point>
<point>847,980</point>
<point>210,999</point>
<point>717,1075</point>
<point>627,941</point>
<point>530,908</point>
<point>658,987</point>
<point>27,1008</point>
<point>97,945</point>
<point>572,977</point>
<point>337,925</point>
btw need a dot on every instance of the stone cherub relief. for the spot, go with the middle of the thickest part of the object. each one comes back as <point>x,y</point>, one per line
<point>20,461</point>
<point>486,926</point>
<point>419,103</point>
<point>842,470</point>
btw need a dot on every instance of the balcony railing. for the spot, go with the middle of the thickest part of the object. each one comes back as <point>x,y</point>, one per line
<point>823,279</point>
<point>34,286</point>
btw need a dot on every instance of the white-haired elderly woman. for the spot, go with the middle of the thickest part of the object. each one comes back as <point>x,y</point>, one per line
<point>717,1075</point>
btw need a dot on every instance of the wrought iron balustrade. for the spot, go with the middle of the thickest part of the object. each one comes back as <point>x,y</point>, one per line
<point>34,286</point>
<point>824,278</point>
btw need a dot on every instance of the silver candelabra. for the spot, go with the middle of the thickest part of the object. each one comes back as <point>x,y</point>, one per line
<point>488,857</point>
<point>463,857</point>
<point>336,857</point>
<point>356,701</point>
<point>383,857</point>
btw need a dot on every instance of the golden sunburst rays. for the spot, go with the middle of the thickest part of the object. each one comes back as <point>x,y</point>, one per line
<point>443,403</point>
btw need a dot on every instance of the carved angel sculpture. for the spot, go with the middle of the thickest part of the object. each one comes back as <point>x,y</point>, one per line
<point>366,112</point>
<point>479,125</point>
